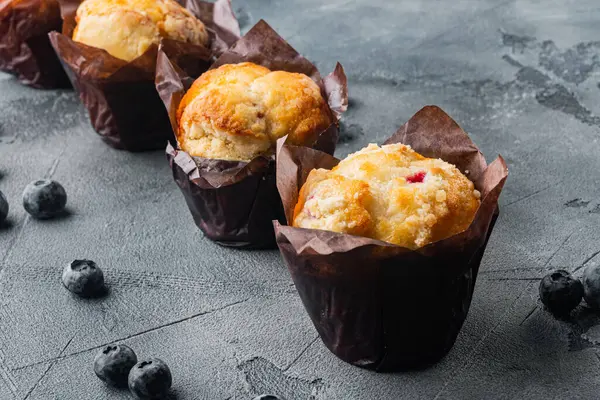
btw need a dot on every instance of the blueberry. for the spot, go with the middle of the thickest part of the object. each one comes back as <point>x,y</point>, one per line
<point>591,286</point>
<point>3,208</point>
<point>113,363</point>
<point>560,293</point>
<point>266,397</point>
<point>150,379</point>
<point>44,199</point>
<point>84,278</point>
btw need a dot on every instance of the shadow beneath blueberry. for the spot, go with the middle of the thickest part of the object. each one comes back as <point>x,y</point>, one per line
<point>576,342</point>
<point>97,296</point>
<point>349,133</point>
<point>354,104</point>
<point>582,315</point>
<point>566,318</point>
<point>585,328</point>
<point>62,216</point>
<point>585,316</point>
<point>173,395</point>
<point>101,294</point>
<point>8,224</point>
<point>584,323</point>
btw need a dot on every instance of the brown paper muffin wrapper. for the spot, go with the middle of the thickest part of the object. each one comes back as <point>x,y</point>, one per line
<point>377,305</point>
<point>234,202</point>
<point>124,107</point>
<point>25,50</point>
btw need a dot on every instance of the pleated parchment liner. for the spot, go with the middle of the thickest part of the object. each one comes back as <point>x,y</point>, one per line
<point>377,305</point>
<point>120,96</point>
<point>234,202</point>
<point>25,50</point>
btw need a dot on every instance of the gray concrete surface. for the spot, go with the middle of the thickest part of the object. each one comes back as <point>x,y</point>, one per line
<point>521,76</point>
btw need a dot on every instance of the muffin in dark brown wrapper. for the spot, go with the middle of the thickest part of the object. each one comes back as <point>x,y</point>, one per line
<point>375,304</point>
<point>124,107</point>
<point>234,202</point>
<point>25,50</point>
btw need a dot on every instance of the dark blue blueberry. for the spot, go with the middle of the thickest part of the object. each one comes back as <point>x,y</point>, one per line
<point>560,292</point>
<point>3,208</point>
<point>44,199</point>
<point>84,278</point>
<point>266,397</point>
<point>591,285</point>
<point>113,363</point>
<point>150,379</point>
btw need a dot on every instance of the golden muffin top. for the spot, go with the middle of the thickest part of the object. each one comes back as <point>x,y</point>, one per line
<point>390,193</point>
<point>238,111</point>
<point>127,28</point>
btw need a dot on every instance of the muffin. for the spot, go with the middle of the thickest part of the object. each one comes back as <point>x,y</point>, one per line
<point>238,111</point>
<point>127,28</point>
<point>378,296</point>
<point>25,49</point>
<point>390,193</point>
<point>110,47</point>
<point>227,122</point>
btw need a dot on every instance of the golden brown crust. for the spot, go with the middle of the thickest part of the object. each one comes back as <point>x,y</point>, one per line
<point>390,193</point>
<point>126,28</point>
<point>238,111</point>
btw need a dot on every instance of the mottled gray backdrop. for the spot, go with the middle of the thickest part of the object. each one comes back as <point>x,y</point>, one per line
<point>521,76</point>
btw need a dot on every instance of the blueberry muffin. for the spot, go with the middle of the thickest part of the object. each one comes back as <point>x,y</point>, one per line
<point>390,193</point>
<point>127,28</point>
<point>238,111</point>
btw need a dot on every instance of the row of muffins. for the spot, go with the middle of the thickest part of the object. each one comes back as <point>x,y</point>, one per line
<point>230,102</point>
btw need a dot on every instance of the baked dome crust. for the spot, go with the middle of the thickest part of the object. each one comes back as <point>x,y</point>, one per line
<point>390,193</point>
<point>238,111</point>
<point>127,28</point>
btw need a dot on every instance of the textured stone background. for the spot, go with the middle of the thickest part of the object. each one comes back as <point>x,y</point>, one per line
<point>522,77</point>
